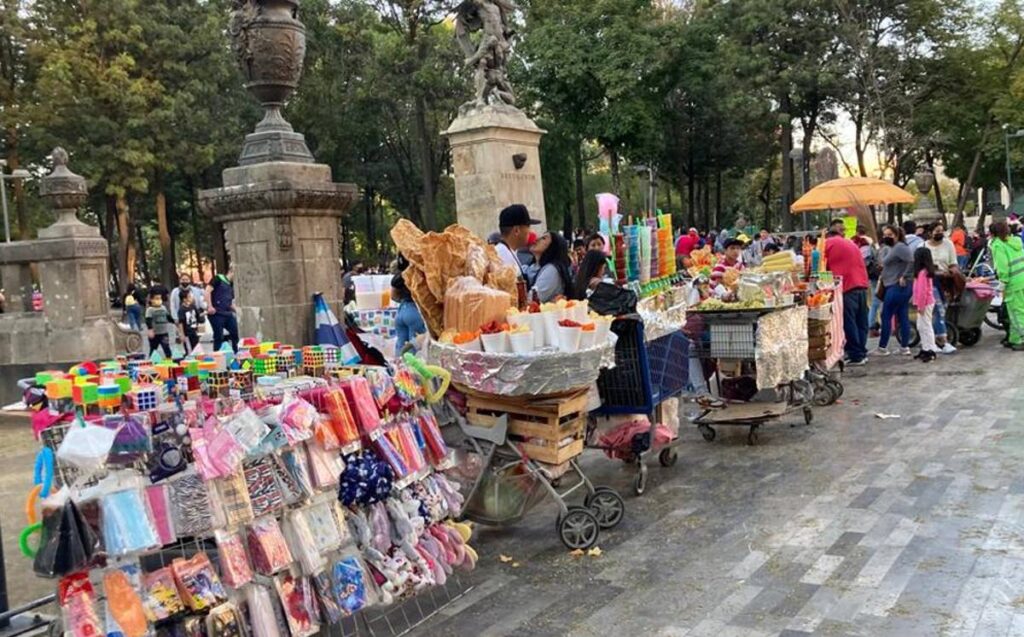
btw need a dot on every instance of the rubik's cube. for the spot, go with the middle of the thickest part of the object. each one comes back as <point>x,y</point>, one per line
<point>242,382</point>
<point>191,368</point>
<point>144,398</point>
<point>147,376</point>
<point>264,365</point>
<point>218,382</point>
<point>109,396</point>
<point>58,388</point>
<point>330,356</point>
<point>85,394</point>
<point>269,346</point>
<point>165,370</point>
<point>285,364</point>
<point>134,367</point>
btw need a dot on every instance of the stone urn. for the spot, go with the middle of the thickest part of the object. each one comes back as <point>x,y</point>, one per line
<point>924,179</point>
<point>65,192</point>
<point>269,42</point>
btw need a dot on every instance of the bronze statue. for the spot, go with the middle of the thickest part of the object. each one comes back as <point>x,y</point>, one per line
<point>489,58</point>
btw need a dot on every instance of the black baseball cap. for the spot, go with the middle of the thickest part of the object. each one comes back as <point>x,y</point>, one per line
<point>516,215</point>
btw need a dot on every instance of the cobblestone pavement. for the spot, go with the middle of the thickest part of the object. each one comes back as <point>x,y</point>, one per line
<point>851,526</point>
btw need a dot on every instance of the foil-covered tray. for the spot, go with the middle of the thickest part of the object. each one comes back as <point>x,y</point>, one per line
<point>546,371</point>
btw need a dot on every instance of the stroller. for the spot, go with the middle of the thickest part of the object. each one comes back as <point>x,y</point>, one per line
<point>966,314</point>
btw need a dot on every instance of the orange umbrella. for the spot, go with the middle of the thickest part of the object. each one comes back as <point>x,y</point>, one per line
<point>850,192</point>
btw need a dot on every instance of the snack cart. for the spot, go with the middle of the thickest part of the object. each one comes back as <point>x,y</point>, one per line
<point>758,359</point>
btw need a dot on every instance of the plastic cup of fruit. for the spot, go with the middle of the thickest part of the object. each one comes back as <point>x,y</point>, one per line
<point>521,342</point>
<point>495,343</point>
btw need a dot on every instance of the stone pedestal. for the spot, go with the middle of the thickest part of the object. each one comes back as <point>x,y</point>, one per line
<point>926,212</point>
<point>497,163</point>
<point>281,221</point>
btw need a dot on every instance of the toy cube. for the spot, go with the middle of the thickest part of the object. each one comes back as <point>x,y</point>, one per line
<point>147,375</point>
<point>264,365</point>
<point>44,377</point>
<point>285,364</point>
<point>330,355</point>
<point>144,398</point>
<point>165,370</point>
<point>58,388</point>
<point>109,396</point>
<point>242,380</point>
<point>191,368</point>
<point>84,394</point>
<point>313,356</point>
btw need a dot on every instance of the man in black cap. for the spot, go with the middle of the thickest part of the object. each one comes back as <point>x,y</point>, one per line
<point>514,224</point>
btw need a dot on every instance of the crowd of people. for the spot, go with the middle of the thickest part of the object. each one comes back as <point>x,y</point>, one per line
<point>177,315</point>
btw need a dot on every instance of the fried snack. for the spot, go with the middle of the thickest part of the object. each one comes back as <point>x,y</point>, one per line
<point>430,306</point>
<point>731,277</point>
<point>445,259</point>
<point>407,237</point>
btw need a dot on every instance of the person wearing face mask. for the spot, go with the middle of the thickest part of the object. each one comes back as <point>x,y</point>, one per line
<point>1008,260</point>
<point>944,256</point>
<point>895,289</point>
<point>185,289</point>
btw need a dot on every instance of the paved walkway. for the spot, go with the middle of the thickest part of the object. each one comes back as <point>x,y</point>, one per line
<point>852,526</point>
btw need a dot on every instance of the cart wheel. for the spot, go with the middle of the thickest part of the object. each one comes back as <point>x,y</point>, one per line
<point>607,506</point>
<point>970,338</point>
<point>823,395</point>
<point>640,483</point>
<point>668,457</point>
<point>707,432</point>
<point>752,437</point>
<point>808,415</point>
<point>578,529</point>
<point>837,388</point>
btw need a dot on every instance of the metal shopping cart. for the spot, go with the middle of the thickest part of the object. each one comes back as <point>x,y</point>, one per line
<point>735,344</point>
<point>646,373</point>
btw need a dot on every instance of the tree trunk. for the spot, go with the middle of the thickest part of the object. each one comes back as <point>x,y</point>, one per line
<point>426,162</point>
<point>371,235</point>
<point>968,185</point>
<point>718,197</point>
<point>581,207</point>
<point>18,191</point>
<point>691,194</point>
<point>613,159</point>
<point>768,197</point>
<point>126,246</point>
<point>707,202</point>
<point>143,262</point>
<point>113,255</point>
<point>167,268</point>
<point>197,254</point>
<point>939,204</point>
<point>858,143</point>
<point>788,184</point>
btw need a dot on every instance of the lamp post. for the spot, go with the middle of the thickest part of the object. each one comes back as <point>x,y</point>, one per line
<point>20,173</point>
<point>1007,136</point>
<point>797,154</point>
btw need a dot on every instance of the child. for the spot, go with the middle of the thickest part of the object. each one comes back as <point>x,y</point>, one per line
<point>158,320</point>
<point>924,299</point>
<point>188,321</point>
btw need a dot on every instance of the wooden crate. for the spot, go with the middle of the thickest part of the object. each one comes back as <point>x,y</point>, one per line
<point>544,421</point>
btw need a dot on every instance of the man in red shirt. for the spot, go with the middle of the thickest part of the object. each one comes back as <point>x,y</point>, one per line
<point>844,259</point>
<point>686,244</point>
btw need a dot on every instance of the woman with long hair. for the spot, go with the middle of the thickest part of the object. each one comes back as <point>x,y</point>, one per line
<point>554,269</point>
<point>924,301</point>
<point>896,288</point>
<point>591,272</point>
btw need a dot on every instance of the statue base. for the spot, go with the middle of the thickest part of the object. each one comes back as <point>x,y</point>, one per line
<point>282,225</point>
<point>926,213</point>
<point>496,160</point>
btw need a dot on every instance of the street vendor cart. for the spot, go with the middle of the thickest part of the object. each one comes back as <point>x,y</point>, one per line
<point>758,358</point>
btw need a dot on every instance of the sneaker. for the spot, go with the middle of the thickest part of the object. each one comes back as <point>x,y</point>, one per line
<point>880,352</point>
<point>904,351</point>
<point>929,357</point>
<point>859,363</point>
<point>947,349</point>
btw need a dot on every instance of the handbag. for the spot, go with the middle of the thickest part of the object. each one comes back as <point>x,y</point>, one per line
<point>880,291</point>
<point>611,300</point>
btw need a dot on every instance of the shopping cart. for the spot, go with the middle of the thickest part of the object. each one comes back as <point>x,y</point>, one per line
<point>644,376</point>
<point>729,342</point>
<point>501,484</point>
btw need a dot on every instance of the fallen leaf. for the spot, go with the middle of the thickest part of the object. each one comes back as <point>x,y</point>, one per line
<point>595,552</point>
<point>505,559</point>
<point>515,564</point>
<point>576,553</point>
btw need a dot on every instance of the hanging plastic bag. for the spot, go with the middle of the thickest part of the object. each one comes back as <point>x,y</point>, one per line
<point>299,602</point>
<point>67,543</point>
<point>297,419</point>
<point>262,619</point>
<point>247,429</point>
<point>126,523</point>
<point>234,563</point>
<point>303,545</point>
<point>198,584</point>
<point>224,621</point>
<point>160,597</point>
<point>86,447</point>
<point>124,606</point>
<point>78,606</point>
